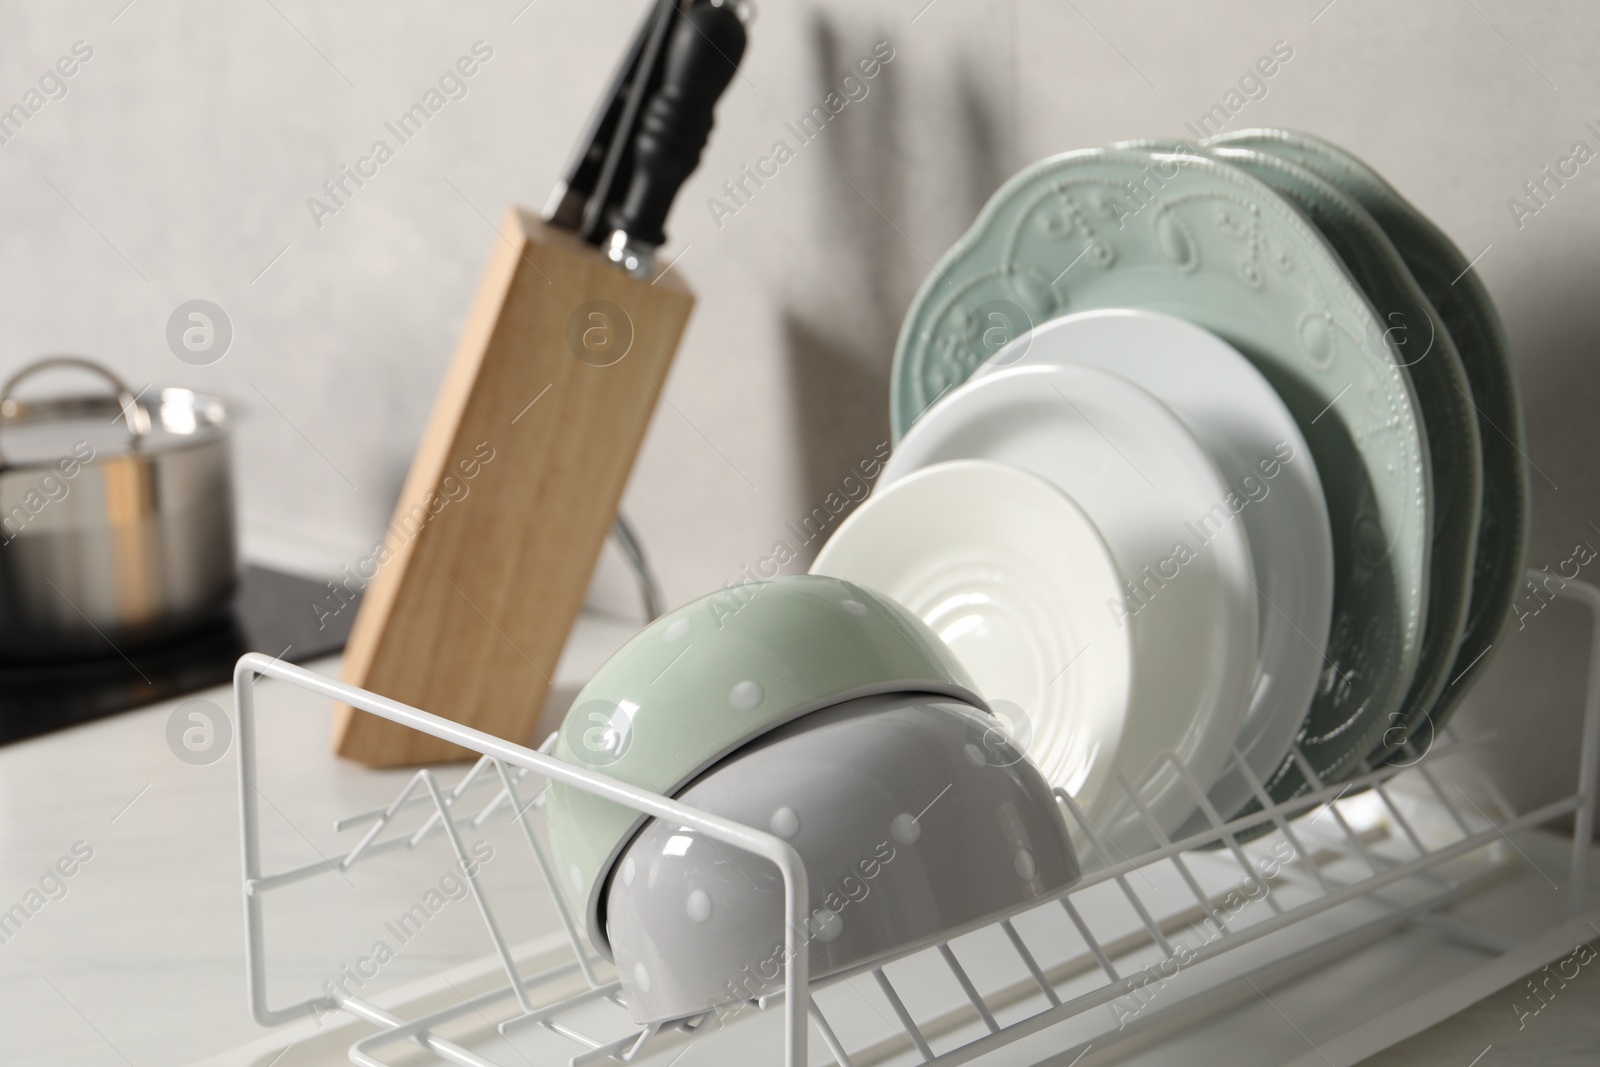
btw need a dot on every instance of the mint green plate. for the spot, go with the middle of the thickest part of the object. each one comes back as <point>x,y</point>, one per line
<point>1428,355</point>
<point>710,677</point>
<point>1469,315</point>
<point>1200,240</point>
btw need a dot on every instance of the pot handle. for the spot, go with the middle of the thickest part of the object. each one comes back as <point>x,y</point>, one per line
<point>136,418</point>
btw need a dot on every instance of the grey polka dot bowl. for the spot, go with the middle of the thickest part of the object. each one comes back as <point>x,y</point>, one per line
<point>915,824</point>
<point>710,677</point>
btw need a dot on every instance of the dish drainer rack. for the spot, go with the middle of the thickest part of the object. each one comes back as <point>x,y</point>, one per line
<point>1361,850</point>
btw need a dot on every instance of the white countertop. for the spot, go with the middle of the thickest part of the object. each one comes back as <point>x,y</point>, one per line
<point>141,959</point>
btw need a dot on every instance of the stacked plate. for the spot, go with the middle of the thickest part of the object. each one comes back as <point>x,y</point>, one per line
<point>1208,473</point>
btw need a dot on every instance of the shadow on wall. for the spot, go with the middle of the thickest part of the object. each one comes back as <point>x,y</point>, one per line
<point>1533,694</point>
<point>839,361</point>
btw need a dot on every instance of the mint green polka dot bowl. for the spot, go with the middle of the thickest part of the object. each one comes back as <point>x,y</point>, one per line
<point>704,680</point>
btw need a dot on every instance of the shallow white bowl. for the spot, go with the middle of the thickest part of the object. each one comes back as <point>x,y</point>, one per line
<point>1188,594</point>
<point>1015,578</point>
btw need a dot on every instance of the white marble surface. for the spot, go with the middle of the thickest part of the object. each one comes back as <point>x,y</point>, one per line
<point>141,961</point>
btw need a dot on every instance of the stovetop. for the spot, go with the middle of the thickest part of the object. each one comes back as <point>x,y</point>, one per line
<point>272,612</point>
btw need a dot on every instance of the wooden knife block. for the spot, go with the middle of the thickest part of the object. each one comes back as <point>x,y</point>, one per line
<point>517,482</point>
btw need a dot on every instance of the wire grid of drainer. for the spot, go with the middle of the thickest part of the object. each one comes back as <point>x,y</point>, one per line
<point>1401,880</point>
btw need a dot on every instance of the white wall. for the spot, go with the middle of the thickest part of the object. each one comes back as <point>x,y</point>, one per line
<point>180,162</point>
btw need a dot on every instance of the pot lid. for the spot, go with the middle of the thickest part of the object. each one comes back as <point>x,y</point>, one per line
<point>40,431</point>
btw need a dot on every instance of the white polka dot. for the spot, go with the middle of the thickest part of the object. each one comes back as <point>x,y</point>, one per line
<point>827,924</point>
<point>629,869</point>
<point>905,829</point>
<point>747,696</point>
<point>853,607</point>
<point>576,876</point>
<point>676,631</point>
<point>785,823</point>
<point>1026,867</point>
<point>641,978</point>
<point>699,906</point>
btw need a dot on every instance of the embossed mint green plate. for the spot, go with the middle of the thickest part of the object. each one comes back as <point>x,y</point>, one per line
<point>1200,240</point>
<point>1429,357</point>
<point>1469,315</point>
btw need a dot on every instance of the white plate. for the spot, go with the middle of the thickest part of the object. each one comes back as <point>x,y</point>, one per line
<point>1144,481</point>
<point>1015,578</point>
<point>1255,442</point>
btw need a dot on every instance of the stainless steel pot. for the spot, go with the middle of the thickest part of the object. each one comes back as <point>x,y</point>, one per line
<point>116,516</point>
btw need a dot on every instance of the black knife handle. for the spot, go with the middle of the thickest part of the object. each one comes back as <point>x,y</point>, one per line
<point>702,55</point>
<point>570,200</point>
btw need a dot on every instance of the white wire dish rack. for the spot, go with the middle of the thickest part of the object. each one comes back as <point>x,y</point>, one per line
<point>1136,941</point>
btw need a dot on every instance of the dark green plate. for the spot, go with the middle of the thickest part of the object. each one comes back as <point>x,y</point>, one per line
<point>1429,356</point>
<point>1468,314</point>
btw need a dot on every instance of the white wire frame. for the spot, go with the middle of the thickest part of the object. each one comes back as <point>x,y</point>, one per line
<point>509,766</point>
